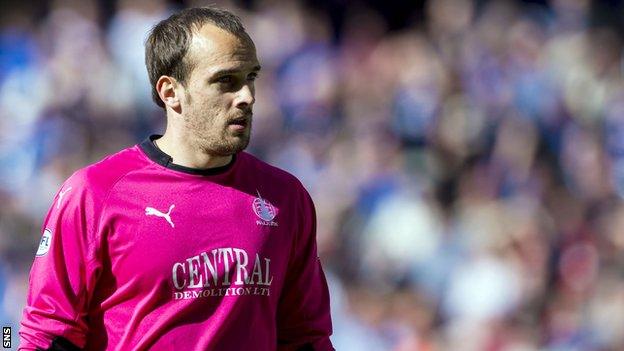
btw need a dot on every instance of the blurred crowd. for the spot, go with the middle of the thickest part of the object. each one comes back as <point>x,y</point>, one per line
<point>467,169</point>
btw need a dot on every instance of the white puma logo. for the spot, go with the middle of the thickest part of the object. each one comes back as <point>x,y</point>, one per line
<point>150,211</point>
<point>60,196</point>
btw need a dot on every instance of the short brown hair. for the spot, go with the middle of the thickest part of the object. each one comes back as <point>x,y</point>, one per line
<point>169,41</point>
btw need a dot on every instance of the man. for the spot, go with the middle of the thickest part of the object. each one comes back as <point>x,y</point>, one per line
<point>184,241</point>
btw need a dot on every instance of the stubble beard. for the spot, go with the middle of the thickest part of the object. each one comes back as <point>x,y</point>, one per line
<point>214,137</point>
<point>229,143</point>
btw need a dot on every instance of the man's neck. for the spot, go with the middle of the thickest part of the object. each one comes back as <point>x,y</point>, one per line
<point>184,154</point>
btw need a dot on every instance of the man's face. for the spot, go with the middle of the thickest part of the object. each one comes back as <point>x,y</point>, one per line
<point>219,92</point>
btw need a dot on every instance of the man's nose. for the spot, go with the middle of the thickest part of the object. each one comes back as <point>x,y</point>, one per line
<point>246,96</point>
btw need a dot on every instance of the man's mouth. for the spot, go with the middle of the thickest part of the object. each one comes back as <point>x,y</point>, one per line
<point>240,122</point>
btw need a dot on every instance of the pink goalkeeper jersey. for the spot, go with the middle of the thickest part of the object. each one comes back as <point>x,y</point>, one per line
<point>138,253</point>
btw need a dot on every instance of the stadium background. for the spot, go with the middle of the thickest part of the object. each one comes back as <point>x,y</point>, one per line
<point>466,158</point>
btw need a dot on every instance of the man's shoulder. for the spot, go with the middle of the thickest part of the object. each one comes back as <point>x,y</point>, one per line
<point>269,172</point>
<point>100,176</point>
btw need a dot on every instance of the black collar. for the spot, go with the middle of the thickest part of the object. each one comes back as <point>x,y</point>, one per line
<point>157,155</point>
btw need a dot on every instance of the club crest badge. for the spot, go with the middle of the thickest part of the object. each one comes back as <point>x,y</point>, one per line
<point>264,210</point>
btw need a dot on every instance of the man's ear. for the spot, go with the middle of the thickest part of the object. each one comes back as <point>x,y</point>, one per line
<point>169,91</point>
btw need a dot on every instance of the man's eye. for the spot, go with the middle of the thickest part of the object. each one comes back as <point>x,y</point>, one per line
<point>225,79</point>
